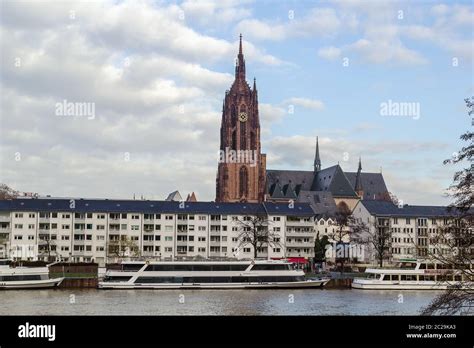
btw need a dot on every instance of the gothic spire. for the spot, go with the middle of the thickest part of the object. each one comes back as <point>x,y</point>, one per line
<point>358,183</point>
<point>317,160</point>
<point>240,44</point>
<point>254,91</point>
<point>240,64</point>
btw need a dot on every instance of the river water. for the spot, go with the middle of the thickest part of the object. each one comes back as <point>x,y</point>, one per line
<point>213,302</point>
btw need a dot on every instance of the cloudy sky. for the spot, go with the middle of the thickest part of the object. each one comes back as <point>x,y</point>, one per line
<point>157,73</point>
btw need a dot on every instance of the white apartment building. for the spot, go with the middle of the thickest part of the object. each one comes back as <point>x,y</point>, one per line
<point>103,230</point>
<point>413,229</point>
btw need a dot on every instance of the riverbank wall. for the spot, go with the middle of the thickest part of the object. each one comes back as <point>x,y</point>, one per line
<point>76,275</point>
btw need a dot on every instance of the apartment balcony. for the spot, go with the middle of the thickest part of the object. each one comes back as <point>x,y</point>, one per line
<point>44,219</point>
<point>148,242</point>
<point>298,254</point>
<point>300,233</point>
<point>5,218</point>
<point>181,243</point>
<point>297,244</point>
<point>298,223</point>
<point>79,241</point>
<point>5,230</point>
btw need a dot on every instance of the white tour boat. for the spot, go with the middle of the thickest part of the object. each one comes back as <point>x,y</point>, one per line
<point>413,275</point>
<point>208,275</point>
<point>25,277</point>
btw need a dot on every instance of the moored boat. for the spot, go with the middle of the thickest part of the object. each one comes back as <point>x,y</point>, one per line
<point>208,275</point>
<point>25,277</point>
<point>414,275</point>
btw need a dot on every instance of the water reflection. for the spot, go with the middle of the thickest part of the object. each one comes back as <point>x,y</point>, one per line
<point>213,302</point>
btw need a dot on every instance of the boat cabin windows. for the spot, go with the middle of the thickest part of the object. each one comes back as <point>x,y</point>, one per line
<point>203,280</point>
<point>115,279</point>
<point>408,265</point>
<point>5,262</point>
<point>391,277</point>
<point>195,268</point>
<point>15,278</point>
<point>408,277</point>
<point>271,267</point>
<point>132,266</point>
<point>427,278</point>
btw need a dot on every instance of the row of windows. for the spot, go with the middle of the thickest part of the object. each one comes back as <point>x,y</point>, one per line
<point>203,280</point>
<point>180,217</point>
<point>442,277</point>
<point>19,278</point>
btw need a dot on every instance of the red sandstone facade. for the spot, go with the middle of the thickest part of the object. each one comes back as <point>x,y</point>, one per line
<point>238,179</point>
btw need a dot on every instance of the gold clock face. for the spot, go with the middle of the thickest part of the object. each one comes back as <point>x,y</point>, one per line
<point>243,117</point>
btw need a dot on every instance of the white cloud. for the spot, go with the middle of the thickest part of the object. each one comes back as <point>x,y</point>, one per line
<point>306,103</point>
<point>317,22</point>
<point>330,53</point>
<point>215,13</point>
<point>380,51</point>
<point>269,114</point>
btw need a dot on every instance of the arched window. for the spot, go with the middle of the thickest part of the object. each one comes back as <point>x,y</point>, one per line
<point>243,182</point>
<point>253,146</point>
<point>243,136</point>
<point>233,115</point>
<point>233,146</point>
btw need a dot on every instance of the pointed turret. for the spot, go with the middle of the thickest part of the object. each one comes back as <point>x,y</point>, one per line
<point>317,160</point>
<point>240,67</point>
<point>358,183</point>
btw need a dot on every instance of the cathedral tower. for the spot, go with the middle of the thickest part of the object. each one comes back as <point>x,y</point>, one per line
<point>241,169</point>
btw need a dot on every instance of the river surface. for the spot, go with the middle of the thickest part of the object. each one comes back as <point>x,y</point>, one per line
<point>213,302</point>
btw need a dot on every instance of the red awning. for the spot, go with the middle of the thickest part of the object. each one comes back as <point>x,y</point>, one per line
<point>297,260</point>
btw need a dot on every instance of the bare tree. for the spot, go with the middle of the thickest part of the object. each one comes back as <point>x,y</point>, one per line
<point>453,245</point>
<point>254,231</point>
<point>7,192</point>
<point>377,235</point>
<point>47,246</point>
<point>341,235</point>
<point>123,247</point>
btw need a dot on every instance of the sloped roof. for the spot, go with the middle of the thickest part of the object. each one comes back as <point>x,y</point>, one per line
<point>321,202</point>
<point>300,177</point>
<point>372,184</point>
<point>384,208</point>
<point>174,196</point>
<point>146,206</point>
<point>332,179</point>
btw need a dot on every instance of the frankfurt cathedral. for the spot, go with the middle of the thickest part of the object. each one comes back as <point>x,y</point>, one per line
<point>324,189</point>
